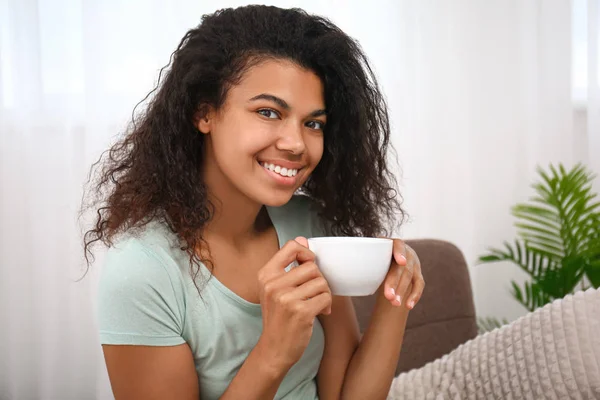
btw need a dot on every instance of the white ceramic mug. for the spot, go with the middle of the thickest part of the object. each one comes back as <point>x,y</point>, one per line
<point>353,266</point>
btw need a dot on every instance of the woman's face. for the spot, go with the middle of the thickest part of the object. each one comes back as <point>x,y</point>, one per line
<point>268,137</point>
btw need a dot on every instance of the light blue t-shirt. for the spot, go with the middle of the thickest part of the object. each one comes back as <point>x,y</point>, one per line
<point>147,297</point>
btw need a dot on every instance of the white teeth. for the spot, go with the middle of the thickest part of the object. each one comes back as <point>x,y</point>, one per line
<point>280,170</point>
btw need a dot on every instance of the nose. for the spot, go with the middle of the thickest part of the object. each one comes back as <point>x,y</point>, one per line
<point>291,140</point>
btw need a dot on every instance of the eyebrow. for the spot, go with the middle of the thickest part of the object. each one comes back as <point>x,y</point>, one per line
<point>283,104</point>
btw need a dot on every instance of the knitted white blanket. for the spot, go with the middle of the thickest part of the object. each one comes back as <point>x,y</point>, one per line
<point>552,353</point>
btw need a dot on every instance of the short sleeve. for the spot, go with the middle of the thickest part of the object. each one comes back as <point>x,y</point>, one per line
<point>138,304</point>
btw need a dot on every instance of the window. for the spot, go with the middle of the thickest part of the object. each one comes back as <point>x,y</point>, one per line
<point>580,51</point>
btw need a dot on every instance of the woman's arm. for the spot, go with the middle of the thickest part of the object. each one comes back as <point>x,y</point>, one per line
<point>168,372</point>
<point>257,379</point>
<point>342,337</point>
<point>358,370</point>
<point>151,372</point>
<point>373,365</point>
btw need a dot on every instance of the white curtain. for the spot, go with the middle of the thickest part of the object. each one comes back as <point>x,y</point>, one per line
<point>480,93</point>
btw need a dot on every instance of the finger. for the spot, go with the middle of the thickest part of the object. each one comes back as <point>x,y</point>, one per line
<point>391,282</point>
<point>405,281</point>
<point>399,252</point>
<point>310,289</point>
<point>320,304</point>
<point>302,240</point>
<point>291,251</point>
<point>297,276</point>
<point>416,292</point>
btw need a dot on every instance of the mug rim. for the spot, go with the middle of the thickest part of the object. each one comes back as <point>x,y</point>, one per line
<point>354,239</point>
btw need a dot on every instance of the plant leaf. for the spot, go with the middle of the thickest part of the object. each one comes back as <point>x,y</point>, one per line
<point>592,272</point>
<point>558,236</point>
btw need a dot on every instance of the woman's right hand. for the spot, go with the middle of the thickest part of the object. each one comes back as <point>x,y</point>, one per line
<point>290,302</point>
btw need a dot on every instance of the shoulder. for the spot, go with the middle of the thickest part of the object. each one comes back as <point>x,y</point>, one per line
<point>142,290</point>
<point>141,258</point>
<point>153,238</point>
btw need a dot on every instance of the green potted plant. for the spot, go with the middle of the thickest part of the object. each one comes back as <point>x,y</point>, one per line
<point>558,238</point>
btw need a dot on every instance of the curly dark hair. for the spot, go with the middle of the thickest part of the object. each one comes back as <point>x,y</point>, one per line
<point>154,171</point>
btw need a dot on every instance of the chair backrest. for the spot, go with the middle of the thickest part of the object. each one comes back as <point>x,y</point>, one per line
<point>444,318</point>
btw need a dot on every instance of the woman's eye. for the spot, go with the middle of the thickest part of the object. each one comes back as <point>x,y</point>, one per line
<point>266,112</point>
<point>316,125</point>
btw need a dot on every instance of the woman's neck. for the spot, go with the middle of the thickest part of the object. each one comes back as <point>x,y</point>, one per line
<point>236,218</point>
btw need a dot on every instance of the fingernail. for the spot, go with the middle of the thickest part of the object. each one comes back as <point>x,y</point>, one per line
<point>392,291</point>
<point>411,303</point>
<point>399,299</point>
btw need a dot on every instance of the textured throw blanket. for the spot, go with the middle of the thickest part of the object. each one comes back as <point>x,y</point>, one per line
<point>552,353</point>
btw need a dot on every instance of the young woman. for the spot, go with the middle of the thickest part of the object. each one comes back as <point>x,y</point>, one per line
<point>268,128</point>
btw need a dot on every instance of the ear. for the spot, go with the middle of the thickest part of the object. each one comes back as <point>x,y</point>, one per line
<point>203,119</point>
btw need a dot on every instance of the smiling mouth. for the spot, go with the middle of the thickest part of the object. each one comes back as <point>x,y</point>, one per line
<point>285,172</point>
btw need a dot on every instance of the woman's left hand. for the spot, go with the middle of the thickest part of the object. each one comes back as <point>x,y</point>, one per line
<point>404,273</point>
